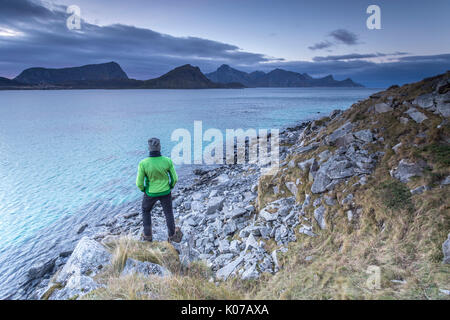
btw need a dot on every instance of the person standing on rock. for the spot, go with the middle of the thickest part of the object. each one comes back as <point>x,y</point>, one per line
<point>156,178</point>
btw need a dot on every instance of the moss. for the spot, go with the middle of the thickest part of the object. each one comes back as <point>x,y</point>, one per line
<point>394,195</point>
<point>47,294</point>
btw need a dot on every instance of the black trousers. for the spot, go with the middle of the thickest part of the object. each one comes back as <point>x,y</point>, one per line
<point>147,206</point>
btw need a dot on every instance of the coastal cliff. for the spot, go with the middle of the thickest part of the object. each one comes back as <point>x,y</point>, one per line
<point>358,190</point>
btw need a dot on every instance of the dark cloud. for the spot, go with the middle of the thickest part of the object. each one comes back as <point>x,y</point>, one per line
<point>339,36</point>
<point>344,36</point>
<point>355,56</point>
<point>144,53</point>
<point>321,45</point>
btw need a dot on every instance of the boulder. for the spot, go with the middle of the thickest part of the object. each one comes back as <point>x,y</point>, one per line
<point>339,133</point>
<point>292,187</point>
<point>424,101</point>
<point>416,115</point>
<point>144,268</point>
<point>40,269</point>
<point>446,250</point>
<point>382,108</point>
<point>226,271</point>
<point>319,215</point>
<point>406,170</point>
<point>364,135</point>
<point>88,258</point>
<point>214,204</point>
<point>443,104</point>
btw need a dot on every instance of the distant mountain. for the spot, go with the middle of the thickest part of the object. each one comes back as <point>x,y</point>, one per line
<point>5,82</point>
<point>94,72</point>
<point>275,78</point>
<point>186,77</point>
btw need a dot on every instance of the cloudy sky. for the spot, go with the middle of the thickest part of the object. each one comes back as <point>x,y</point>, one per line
<point>150,37</point>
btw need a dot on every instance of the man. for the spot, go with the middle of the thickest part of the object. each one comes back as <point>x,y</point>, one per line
<point>156,178</point>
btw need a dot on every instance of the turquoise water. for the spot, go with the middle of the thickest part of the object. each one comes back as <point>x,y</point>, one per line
<point>67,157</point>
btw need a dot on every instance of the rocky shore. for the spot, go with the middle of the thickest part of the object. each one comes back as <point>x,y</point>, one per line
<point>241,223</point>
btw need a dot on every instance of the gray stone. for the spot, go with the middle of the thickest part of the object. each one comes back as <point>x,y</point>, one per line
<point>446,181</point>
<point>250,273</point>
<point>424,101</point>
<point>364,135</point>
<point>40,269</point>
<point>226,271</point>
<point>319,215</point>
<point>251,242</point>
<point>406,170</point>
<point>349,215</point>
<point>396,147</point>
<point>339,133</point>
<point>310,164</point>
<point>307,230</point>
<point>197,206</point>
<point>420,190</point>
<point>348,199</point>
<point>229,228</point>
<point>324,155</point>
<point>145,268</point>
<point>236,212</point>
<point>416,115</point>
<point>403,120</point>
<point>267,216</point>
<point>443,104</point>
<point>292,187</point>
<point>88,258</point>
<point>224,246</point>
<point>446,250</point>
<point>382,108</point>
<point>321,181</point>
<point>215,204</point>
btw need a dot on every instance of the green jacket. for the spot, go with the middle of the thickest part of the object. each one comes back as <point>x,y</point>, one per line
<point>156,176</point>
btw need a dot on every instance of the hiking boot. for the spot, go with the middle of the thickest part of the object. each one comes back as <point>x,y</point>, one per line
<point>146,238</point>
<point>177,236</point>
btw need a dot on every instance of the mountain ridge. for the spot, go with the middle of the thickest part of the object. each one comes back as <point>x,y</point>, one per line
<point>276,78</point>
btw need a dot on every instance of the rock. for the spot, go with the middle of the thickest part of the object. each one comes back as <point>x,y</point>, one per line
<point>40,269</point>
<point>382,108</point>
<point>88,258</point>
<point>82,228</point>
<point>307,230</point>
<point>214,204</point>
<point>145,268</point>
<point>224,246</point>
<point>420,190</point>
<point>364,135</point>
<point>446,250</point>
<point>229,228</point>
<point>321,181</point>
<point>319,215</point>
<point>339,133</point>
<point>250,273</point>
<point>292,187</point>
<point>221,179</point>
<point>235,246</point>
<point>406,170</point>
<point>403,120</point>
<point>251,242</point>
<point>275,258</point>
<point>267,216</point>
<point>348,199</point>
<point>416,115</point>
<point>443,104</point>
<point>310,164</point>
<point>396,147</point>
<point>76,287</point>
<point>323,156</point>
<point>446,181</point>
<point>226,271</point>
<point>197,206</point>
<point>424,101</point>
<point>236,212</point>
<point>349,215</point>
